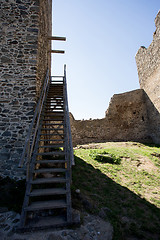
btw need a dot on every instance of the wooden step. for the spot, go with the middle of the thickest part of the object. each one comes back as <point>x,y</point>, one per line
<point>52,129</point>
<point>57,108</point>
<point>56,88</point>
<point>52,204</point>
<point>58,92</point>
<point>50,124</point>
<point>54,112</point>
<point>47,192</point>
<point>54,101</point>
<point>52,115</point>
<point>52,134</point>
<point>54,107</point>
<point>54,81</point>
<point>50,153</point>
<point>56,85</point>
<point>48,180</point>
<point>45,223</point>
<point>52,146</point>
<point>59,96</point>
<point>51,110</point>
<point>49,161</point>
<point>50,170</point>
<point>52,119</point>
<point>55,97</point>
<point>51,140</point>
<point>54,104</point>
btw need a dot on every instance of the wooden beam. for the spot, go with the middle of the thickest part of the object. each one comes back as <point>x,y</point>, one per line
<point>57,38</point>
<point>57,51</point>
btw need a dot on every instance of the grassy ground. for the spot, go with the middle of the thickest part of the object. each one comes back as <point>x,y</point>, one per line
<point>118,181</point>
<point>121,180</point>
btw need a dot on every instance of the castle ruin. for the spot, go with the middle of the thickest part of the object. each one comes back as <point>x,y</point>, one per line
<point>24,59</point>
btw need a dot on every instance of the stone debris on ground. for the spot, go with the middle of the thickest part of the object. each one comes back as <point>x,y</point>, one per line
<point>92,228</point>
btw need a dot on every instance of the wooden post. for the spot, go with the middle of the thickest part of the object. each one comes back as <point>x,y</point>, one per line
<point>57,51</point>
<point>56,38</point>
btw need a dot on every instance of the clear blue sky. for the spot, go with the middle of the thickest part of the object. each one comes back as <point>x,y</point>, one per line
<point>102,40</point>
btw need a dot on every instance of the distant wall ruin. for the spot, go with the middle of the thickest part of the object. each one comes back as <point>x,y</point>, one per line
<point>24,58</point>
<point>126,120</point>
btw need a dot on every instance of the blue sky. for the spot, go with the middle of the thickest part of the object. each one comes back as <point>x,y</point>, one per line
<point>102,40</point>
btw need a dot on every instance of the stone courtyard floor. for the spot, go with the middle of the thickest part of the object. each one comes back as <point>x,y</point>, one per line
<point>92,228</point>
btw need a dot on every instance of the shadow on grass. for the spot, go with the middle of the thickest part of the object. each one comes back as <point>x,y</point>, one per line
<point>131,216</point>
<point>152,145</point>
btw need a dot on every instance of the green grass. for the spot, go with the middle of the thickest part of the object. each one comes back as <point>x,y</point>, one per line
<point>126,180</point>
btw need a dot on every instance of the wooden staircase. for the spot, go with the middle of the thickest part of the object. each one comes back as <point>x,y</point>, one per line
<point>47,201</point>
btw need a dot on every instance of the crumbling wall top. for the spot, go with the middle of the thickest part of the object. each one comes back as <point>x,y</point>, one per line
<point>148,59</point>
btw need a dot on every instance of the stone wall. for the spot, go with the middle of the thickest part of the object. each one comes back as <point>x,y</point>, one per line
<point>23,62</point>
<point>45,30</point>
<point>148,66</point>
<point>126,120</point>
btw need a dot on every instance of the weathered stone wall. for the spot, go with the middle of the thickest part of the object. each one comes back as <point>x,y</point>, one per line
<point>148,66</point>
<point>23,62</point>
<point>126,120</point>
<point>45,30</point>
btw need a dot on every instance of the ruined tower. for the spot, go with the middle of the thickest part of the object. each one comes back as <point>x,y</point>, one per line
<point>24,59</point>
<point>148,66</point>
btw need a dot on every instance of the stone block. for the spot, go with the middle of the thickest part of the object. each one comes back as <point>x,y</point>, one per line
<point>4,156</point>
<point>6,134</point>
<point>5,59</point>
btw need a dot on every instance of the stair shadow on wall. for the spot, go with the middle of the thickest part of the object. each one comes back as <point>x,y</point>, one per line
<point>130,215</point>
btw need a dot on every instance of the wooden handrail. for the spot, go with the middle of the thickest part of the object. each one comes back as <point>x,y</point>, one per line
<point>68,126</point>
